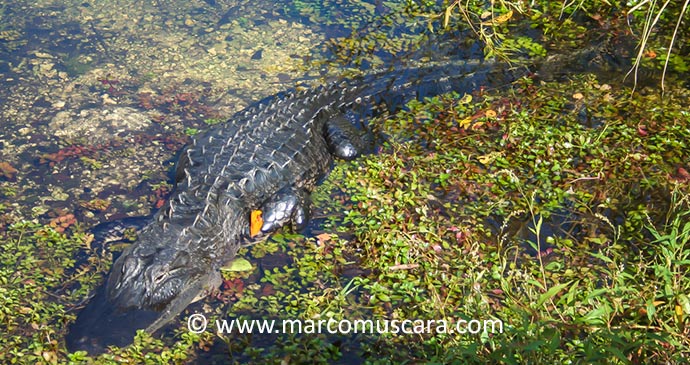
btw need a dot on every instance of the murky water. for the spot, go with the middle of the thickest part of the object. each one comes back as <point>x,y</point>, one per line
<point>99,96</point>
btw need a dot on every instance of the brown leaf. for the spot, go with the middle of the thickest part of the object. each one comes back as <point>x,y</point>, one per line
<point>323,238</point>
<point>7,170</point>
<point>403,267</point>
<point>267,290</point>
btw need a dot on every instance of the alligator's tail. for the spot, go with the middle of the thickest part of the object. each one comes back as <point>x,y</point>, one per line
<point>368,95</point>
<point>394,87</point>
<point>397,87</point>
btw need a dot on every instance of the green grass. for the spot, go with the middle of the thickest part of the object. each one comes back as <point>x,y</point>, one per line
<point>557,207</point>
<point>590,300</point>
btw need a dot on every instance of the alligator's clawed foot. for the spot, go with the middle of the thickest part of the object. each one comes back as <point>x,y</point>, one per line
<point>287,206</point>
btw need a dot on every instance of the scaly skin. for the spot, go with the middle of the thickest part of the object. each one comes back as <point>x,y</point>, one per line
<point>268,157</point>
<point>284,144</point>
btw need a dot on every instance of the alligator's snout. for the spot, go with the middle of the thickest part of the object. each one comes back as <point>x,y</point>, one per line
<point>138,294</point>
<point>149,276</point>
<point>142,283</point>
<point>126,285</point>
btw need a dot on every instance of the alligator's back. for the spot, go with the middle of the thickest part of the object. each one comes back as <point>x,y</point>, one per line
<point>261,150</point>
<point>283,142</point>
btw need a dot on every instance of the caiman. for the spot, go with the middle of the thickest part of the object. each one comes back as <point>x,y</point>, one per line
<point>266,158</point>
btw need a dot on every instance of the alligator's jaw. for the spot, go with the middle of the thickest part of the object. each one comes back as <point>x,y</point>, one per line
<point>193,292</point>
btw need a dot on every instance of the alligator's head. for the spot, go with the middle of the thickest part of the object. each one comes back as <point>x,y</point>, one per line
<point>149,284</point>
<point>155,270</point>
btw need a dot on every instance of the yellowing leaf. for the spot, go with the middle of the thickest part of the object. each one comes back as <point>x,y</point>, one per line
<point>503,18</point>
<point>446,19</point>
<point>490,113</point>
<point>466,99</point>
<point>487,159</point>
<point>255,223</point>
<point>684,302</point>
<point>465,122</point>
<point>477,125</point>
<point>499,19</point>
<point>239,265</point>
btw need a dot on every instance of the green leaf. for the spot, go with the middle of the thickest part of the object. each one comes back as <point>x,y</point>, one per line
<point>597,316</point>
<point>239,265</point>
<point>552,292</point>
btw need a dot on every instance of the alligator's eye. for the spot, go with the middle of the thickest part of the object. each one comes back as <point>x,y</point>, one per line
<point>146,252</point>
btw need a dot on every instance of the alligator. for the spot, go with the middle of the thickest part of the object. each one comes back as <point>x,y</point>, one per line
<point>266,158</point>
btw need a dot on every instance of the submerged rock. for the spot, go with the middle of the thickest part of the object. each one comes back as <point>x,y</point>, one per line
<point>98,125</point>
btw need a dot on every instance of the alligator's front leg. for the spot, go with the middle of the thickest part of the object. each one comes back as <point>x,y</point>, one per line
<point>289,205</point>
